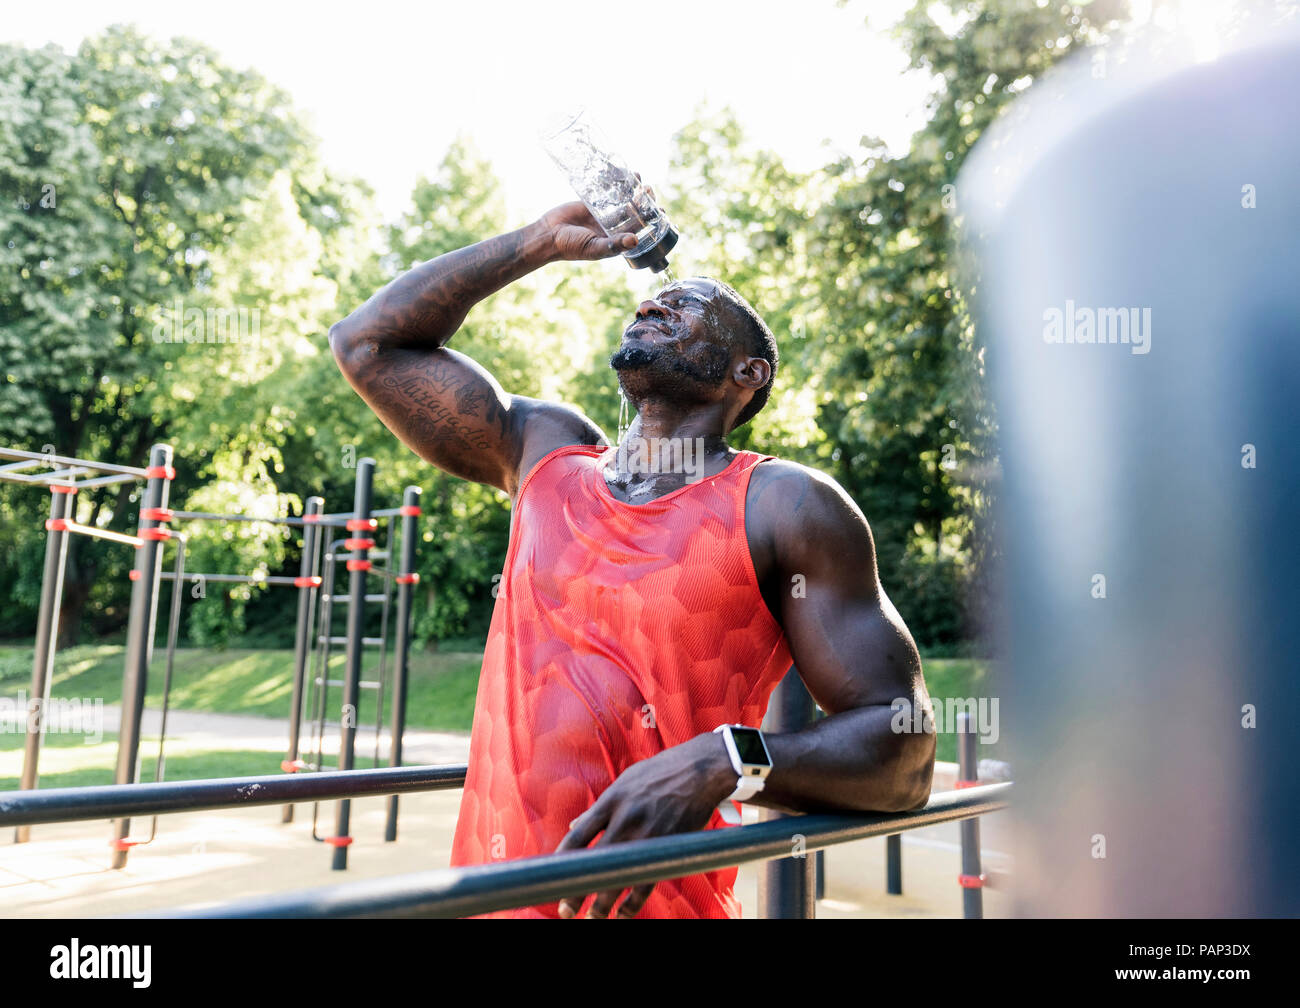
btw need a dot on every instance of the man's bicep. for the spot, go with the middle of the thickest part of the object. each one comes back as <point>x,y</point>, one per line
<point>445,407</point>
<point>848,642</point>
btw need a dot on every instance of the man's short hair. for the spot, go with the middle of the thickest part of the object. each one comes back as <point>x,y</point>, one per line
<point>758,341</point>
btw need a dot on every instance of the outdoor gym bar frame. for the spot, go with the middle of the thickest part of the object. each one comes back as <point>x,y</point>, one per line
<point>464,892</point>
<point>67,476</point>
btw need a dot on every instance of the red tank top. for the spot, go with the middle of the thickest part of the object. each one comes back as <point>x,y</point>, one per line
<point>619,630</point>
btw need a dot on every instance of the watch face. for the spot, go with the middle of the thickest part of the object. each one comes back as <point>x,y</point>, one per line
<point>749,744</point>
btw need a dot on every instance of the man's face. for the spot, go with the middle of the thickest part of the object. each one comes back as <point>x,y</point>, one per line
<point>678,347</point>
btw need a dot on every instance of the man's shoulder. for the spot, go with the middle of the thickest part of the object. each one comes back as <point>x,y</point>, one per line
<point>545,427</point>
<point>789,502</point>
<point>792,485</point>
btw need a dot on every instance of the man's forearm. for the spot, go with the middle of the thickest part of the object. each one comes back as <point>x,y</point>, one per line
<point>851,761</point>
<point>427,304</point>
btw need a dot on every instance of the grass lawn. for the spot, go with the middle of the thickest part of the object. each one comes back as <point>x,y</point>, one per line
<point>67,761</point>
<point>441,698</point>
<point>441,694</point>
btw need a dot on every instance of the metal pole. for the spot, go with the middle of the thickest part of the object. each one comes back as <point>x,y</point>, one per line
<point>358,565</point>
<point>971,879</point>
<point>139,635</point>
<point>80,804</point>
<point>787,885</point>
<point>308,580</point>
<point>406,580</point>
<point>47,635</point>
<point>534,881</point>
<point>894,865</point>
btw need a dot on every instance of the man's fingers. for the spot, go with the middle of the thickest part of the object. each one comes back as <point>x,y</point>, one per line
<point>635,900</point>
<point>604,903</point>
<point>604,248</point>
<point>582,831</point>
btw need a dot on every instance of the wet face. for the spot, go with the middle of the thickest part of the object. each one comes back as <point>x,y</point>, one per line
<point>679,346</point>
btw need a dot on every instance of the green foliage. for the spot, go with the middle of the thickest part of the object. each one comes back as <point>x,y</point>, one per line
<point>182,185</point>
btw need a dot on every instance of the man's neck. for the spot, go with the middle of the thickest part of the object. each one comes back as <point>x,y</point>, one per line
<point>660,454</point>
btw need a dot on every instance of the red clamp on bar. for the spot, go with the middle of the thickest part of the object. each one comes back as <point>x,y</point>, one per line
<point>160,472</point>
<point>358,565</point>
<point>56,524</point>
<point>62,489</point>
<point>339,841</point>
<point>156,514</point>
<point>291,766</point>
<point>134,575</point>
<point>313,519</point>
<point>123,843</point>
<point>156,534</point>
<point>362,524</point>
<point>410,510</point>
<point>971,881</point>
<point>358,544</point>
<point>306,582</point>
<point>407,579</point>
<point>967,783</point>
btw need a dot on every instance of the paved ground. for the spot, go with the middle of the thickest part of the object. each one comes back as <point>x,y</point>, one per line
<point>203,858</point>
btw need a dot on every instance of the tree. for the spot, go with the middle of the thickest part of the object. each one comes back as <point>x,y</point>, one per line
<point>172,209</point>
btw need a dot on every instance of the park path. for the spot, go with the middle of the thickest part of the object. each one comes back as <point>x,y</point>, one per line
<point>202,729</point>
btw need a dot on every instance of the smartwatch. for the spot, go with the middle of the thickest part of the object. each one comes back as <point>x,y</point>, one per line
<point>751,761</point>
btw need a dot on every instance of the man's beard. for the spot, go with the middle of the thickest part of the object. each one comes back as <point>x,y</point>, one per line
<point>654,372</point>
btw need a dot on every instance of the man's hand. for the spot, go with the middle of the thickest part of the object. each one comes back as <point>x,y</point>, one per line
<point>575,234</point>
<point>675,791</point>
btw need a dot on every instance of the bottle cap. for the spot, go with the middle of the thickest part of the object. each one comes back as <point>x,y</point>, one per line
<point>656,257</point>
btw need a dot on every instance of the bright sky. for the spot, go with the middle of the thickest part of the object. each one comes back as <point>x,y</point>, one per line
<point>387,85</point>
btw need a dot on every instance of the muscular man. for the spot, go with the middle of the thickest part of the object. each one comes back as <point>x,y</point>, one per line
<point>642,606</point>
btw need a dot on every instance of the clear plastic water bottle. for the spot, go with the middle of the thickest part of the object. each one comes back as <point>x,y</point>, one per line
<point>619,202</point>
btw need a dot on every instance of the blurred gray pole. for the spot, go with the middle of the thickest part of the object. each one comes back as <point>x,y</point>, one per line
<point>787,885</point>
<point>308,580</point>
<point>406,580</point>
<point>47,636</point>
<point>1137,287</point>
<point>139,635</point>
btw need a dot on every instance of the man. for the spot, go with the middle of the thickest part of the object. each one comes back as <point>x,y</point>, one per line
<point>643,606</point>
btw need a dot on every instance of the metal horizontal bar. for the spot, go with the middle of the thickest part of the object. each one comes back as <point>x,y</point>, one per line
<point>63,460</point>
<point>99,533</point>
<point>43,479</point>
<point>104,481</point>
<point>337,552</point>
<point>270,579</point>
<point>365,641</point>
<point>348,598</point>
<point>116,801</point>
<point>209,516</point>
<point>364,683</point>
<point>381,513</point>
<point>463,892</point>
<point>50,479</point>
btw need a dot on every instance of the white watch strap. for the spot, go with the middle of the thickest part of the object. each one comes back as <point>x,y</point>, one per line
<point>746,786</point>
